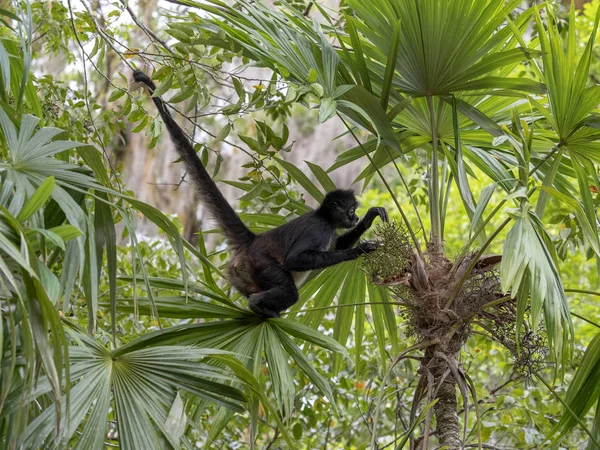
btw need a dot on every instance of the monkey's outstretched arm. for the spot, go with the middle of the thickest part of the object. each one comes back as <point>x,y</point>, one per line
<point>351,237</point>
<point>315,259</point>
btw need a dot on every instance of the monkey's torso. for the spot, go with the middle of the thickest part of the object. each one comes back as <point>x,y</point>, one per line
<point>305,233</point>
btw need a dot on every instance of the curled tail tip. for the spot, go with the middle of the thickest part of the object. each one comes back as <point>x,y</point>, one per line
<point>141,77</point>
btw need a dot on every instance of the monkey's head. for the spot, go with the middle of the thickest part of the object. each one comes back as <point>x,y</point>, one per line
<point>339,208</point>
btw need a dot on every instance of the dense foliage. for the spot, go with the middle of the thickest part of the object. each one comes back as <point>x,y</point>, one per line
<point>476,322</point>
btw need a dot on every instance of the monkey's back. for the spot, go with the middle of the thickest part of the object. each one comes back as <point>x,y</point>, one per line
<point>271,249</point>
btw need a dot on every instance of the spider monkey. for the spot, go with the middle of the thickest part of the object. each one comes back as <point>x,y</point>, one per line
<point>268,268</point>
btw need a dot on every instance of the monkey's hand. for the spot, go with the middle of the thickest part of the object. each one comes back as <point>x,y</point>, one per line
<point>375,212</point>
<point>367,247</point>
<point>141,79</point>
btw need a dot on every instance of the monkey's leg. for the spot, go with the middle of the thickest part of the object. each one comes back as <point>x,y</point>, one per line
<point>277,294</point>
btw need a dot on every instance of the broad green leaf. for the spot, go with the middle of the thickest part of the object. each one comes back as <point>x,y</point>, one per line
<point>528,272</point>
<point>327,109</point>
<point>301,179</point>
<point>583,392</point>
<point>37,200</point>
<point>163,86</point>
<point>324,180</point>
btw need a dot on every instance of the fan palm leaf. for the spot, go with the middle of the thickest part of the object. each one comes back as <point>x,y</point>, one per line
<point>444,47</point>
<point>142,383</point>
<point>570,115</point>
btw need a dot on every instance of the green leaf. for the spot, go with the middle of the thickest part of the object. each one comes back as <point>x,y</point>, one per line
<point>390,67</point>
<point>529,272</point>
<point>116,94</point>
<point>484,199</point>
<point>66,232</point>
<point>359,106</point>
<point>583,392</point>
<point>327,109</point>
<point>175,424</point>
<point>37,200</point>
<point>50,236</point>
<point>301,179</point>
<point>9,14</point>
<point>279,371</point>
<point>163,87</point>
<point>184,94</point>
<point>308,334</point>
<point>324,180</point>
<point>106,237</point>
<point>314,376</point>
<point>5,68</point>
<point>490,82</point>
<point>358,53</point>
<point>590,232</point>
<point>223,133</point>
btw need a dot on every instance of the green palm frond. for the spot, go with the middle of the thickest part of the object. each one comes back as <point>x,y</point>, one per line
<point>242,333</point>
<point>142,384</point>
<point>569,112</point>
<point>529,272</point>
<point>570,99</point>
<point>582,395</point>
<point>445,47</point>
<point>31,289</point>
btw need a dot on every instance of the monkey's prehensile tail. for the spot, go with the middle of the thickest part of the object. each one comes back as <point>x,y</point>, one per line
<point>235,231</point>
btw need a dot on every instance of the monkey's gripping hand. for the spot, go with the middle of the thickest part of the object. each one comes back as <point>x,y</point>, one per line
<point>367,247</point>
<point>142,80</point>
<point>373,213</point>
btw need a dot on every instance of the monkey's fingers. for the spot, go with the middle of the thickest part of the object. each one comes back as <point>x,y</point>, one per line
<point>368,247</point>
<point>381,212</point>
<point>384,215</point>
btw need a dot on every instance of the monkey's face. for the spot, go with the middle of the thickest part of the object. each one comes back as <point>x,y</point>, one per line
<point>345,216</point>
<point>352,218</point>
<point>340,208</point>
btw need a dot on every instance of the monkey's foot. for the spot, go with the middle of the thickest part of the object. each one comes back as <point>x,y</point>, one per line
<point>264,313</point>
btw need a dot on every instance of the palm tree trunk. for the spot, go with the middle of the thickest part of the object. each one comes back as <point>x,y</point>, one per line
<point>448,430</point>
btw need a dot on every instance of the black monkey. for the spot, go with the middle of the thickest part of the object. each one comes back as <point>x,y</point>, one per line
<point>268,268</point>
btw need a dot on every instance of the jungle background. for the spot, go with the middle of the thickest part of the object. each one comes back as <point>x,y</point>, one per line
<point>473,122</point>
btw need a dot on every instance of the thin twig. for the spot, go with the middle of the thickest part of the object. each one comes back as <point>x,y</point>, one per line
<point>106,37</point>
<point>275,437</point>
<point>86,97</point>
<point>145,29</point>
